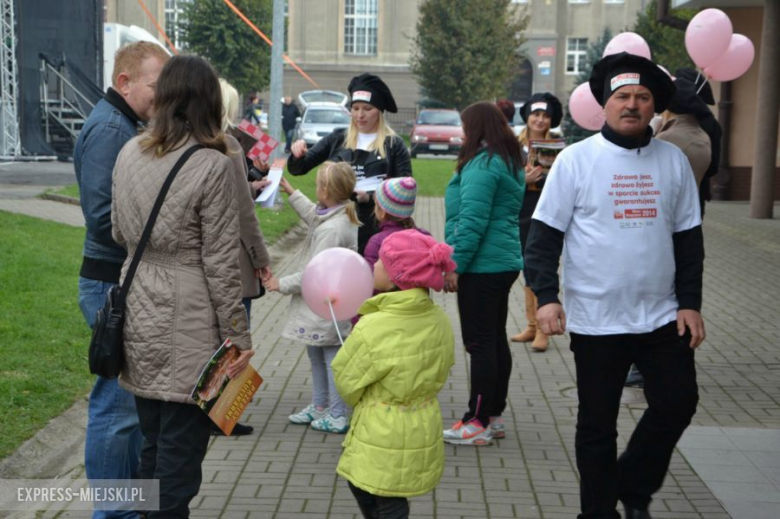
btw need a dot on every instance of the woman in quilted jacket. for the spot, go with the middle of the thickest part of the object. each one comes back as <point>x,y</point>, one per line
<point>185,299</point>
<point>482,204</point>
<point>390,369</point>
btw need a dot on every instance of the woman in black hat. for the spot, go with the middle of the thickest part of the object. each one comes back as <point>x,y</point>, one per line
<point>369,145</point>
<point>541,113</point>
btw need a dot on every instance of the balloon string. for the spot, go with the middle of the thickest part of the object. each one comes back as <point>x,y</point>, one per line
<point>698,75</point>
<point>335,322</point>
<point>702,85</point>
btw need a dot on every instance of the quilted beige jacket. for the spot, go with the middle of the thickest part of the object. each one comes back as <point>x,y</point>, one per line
<point>253,253</point>
<point>185,298</point>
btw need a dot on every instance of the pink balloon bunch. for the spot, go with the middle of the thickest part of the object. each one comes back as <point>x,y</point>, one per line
<point>584,108</point>
<point>339,276</point>
<point>714,48</point>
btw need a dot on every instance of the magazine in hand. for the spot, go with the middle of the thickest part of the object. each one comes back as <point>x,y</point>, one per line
<point>542,152</point>
<point>222,398</point>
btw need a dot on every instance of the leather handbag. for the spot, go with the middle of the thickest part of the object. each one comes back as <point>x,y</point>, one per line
<point>106,349</point>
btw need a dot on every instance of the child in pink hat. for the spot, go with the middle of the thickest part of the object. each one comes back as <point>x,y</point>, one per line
<point>390,369</point>
<point>394,205</point>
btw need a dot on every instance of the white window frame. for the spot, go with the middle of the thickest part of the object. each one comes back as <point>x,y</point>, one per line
<point>578,54</point>
<point>614,1</point>
<point>579,1</point>
<point>174,9</point>
<point>360,27</point>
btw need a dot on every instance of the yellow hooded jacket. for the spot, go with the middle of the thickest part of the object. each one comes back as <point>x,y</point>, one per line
<point>390,370</point>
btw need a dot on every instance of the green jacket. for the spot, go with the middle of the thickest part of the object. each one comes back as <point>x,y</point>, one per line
<point>482,206</point>
<point>390,370</point>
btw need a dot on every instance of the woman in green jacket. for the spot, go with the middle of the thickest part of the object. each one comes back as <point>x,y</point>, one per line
<point>482,204</point>
<point>390,369</point>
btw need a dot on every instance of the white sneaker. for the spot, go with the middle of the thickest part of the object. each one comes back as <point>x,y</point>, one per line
<point>308,414</point>
<point>330,424</point>
<point>470,433</point>
<point>497,427</point>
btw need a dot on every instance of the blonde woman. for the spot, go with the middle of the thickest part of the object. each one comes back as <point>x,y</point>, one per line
<point>369,146</point>
<point>541,113</point>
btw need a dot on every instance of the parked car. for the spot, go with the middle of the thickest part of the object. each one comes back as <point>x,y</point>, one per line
<point>322,96</point>
<point>320,119</point>
<point>437,132</point>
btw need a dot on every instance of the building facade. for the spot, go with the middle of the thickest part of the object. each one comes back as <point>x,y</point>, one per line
<point>333,40</point>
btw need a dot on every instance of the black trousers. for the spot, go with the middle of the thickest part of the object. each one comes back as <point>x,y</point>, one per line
<point>667,362</point>
<point>483,304</point>
<point>378,507</point>
<point>176,437</point>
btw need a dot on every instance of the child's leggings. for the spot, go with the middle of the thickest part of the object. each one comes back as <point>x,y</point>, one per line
<point>324,387</point>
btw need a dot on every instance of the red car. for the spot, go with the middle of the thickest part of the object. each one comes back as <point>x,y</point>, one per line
<point>437,132</point>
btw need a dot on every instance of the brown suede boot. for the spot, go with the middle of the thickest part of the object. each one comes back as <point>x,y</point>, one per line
<point>529,334</point>
<point>540,339</point>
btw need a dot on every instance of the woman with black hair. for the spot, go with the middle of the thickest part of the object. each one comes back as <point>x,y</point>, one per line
<point>185,298</point>
<point>482,204</point>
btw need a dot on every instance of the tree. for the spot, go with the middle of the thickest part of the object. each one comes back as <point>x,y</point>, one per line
<point>572,130</point>
<point>667,44</point>
<point>465,50</point>
<point>212,30</point>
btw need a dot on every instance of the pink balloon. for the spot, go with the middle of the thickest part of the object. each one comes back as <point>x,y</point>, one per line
<point>629,42</point>
<point>340,276</point>
<point>708,36</point>
<point>734,62</point>
<point>584,108</point>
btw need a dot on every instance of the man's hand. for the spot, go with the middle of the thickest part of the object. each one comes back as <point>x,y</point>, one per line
<point>693,321</point>
<point>298,148</point>
<point>271,284</point>
<point>240,364</point>
<point>551,319</point>
<point>451,282</point>
<point>259,185</point>
<point>260,165</point>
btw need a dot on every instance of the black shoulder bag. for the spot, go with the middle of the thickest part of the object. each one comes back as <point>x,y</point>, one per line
<point>106,349</point>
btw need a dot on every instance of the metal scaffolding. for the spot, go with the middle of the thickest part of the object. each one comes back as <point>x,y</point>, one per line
<point>10,144</point>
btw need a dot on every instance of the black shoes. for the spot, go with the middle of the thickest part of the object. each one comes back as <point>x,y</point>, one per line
<point>238,430</point>
<point>633,513</point>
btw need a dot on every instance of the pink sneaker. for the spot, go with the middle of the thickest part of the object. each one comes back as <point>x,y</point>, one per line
<point>497,427</point>
<point>470,433</point>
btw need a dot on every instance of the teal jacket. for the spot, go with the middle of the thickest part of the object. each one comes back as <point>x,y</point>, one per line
<point>482,205</point>
<point>390,370</point>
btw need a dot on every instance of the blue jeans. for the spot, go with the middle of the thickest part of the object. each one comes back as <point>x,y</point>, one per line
<point>113,445</point>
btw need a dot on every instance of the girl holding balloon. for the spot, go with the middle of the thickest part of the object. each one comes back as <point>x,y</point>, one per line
<point>333,222</point>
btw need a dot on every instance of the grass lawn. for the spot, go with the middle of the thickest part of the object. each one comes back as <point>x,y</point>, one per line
<point>43,335</point>
<point>71,191</point>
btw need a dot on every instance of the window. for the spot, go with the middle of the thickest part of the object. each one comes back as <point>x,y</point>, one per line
<point>579,1</point>
<point>614,1</point>
<point>174,10</point>
<point>360,22</point>
<point>576,49</point>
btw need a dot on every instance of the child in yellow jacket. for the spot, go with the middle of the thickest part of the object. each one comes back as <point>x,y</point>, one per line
<point>390,370</point>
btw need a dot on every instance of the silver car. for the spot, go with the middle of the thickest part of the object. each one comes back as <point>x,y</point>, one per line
<point>319,120</point>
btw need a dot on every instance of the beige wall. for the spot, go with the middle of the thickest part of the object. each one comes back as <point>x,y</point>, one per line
<point>129,12</point>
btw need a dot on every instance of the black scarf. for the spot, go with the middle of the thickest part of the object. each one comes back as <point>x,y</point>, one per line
<point>629,143</point>
<point>113,98</point>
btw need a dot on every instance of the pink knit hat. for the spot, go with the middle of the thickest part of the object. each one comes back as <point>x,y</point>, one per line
<point>415,260</point>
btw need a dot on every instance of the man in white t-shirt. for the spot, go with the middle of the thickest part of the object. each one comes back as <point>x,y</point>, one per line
<point>627,208</point>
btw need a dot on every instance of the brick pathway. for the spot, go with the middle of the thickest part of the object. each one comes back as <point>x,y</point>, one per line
<point>287,471</point>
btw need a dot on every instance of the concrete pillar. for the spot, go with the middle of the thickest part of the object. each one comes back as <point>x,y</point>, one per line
<point>762,187</point>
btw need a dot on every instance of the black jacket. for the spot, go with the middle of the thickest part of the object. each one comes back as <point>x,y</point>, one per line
<point>289,113</point>
<point>331,147</point>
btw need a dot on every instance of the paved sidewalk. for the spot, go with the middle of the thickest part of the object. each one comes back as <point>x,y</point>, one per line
<point>287,471</point>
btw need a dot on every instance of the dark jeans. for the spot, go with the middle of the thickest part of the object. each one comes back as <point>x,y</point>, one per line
<point>483,304</point>
<point>667,363</point>
<point>176,437</point>
<point>288,139</point>
<point>378,507</point>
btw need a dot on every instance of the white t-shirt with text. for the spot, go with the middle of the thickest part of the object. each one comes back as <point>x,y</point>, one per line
<point>618,209</point>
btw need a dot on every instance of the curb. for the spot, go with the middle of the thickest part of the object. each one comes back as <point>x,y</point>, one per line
<point>60,198</point>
